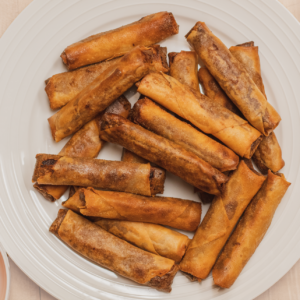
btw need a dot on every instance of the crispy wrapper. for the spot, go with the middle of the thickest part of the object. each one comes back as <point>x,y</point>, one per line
<point>99,94</point>
<point>157,120</point>
<point>165,153</point>
<point>173,212</point>
<point>210,117</point>
<point>184,67</point>
<point>98,173</point>
<point>84,143</point>
<point>233,79</point>
<point>62,88</point>
<point>268,154</point>
<point>220,220</point>
<point>149,237</point>
<point>250,230</point>
<point>107,45</point>
<point>214,92</point>
<point>110,252</point>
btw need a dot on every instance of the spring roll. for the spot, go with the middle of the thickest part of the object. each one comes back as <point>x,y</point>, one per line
<point>149,237</point>
<point>110,252</point>
<point>250,230</point>
<point>210,117</point>
<point>110,44</point>
<point>214,92</point>
<point>157,120</point>
<point>99,94</point>
<point>268,154</point>
<point>98,173</point>
<point>173,212</point>
<point>220,220</point>
<point>184,67</point>
<point>62,88</point>
<point>84,143</point>
<point>165,153</point>
<point>132,157</point>
<point>233,79</point>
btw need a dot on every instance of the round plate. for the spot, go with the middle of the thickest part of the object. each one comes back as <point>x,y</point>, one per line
<point>29,54</point>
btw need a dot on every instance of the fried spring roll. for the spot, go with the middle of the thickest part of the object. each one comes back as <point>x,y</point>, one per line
<point>107,45</point>
<point>184,67</point>
<point>173,212</point>
<point>210,117</point>
<point>98,173</point>
<point>98,245</point>
<point>233,79</point>
<point>157,120</point>
<point>220,220</point>
<point>250,230</point>
<point>99,94</point>
<point>62,88</point>
<point>268,154</point>
<point>166,154</point>
<point>149,237</point>
<point>84,143</point>
<point>213,90</point>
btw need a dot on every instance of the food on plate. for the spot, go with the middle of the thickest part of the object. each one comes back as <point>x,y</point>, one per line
<point>173,212</point>
<point>233,79</point>
<point>220,220</point>
<point>113,43</point>
<point>149,115</point>
<point>149,237</point>
<point>250,230</point>
<point>132,157</point>
<point>235,132</point>
<point>268,154</point>
<point>165,153</point>
<point>184,67</point>
<point>107,250</point>
<point>98,173</point>
<point>214,92</point>
<point>99,94</point>
<point>84,143</point>
<point>62,88</point>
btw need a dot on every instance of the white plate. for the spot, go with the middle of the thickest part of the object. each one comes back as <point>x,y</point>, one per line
<point>29,54</point>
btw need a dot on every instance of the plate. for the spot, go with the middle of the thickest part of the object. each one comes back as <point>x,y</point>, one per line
<point>29,54</point>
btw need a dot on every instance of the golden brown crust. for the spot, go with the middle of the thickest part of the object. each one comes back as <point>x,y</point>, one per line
<point>268,154</point>
<point>57,222</point>
<point>163,152</point>
<point>149,237</point>
<point>132,157</point>
<point>250,230</point>
<point>220,220</point>
<point>214,92</point>
<point>233,79</point>
<point>210,117</point>
<point>99,94</point>
<point>85,143</point>
<point>173,212</point>
<point>110,252</point>
<point>147,31</point>
<point>112,175</point>
<point>157,120</point>
<point>184,67</point>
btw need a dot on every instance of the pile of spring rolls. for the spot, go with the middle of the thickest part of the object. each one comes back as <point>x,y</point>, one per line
<point>113,216</point>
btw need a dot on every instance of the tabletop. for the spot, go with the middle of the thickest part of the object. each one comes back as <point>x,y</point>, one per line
<point>22,287</point>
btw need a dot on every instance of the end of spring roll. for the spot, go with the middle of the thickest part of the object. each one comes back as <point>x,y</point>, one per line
<point>96,244</point>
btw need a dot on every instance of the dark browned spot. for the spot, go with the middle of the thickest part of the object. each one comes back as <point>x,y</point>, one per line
<point>230,209</point>
<point>49,162</point>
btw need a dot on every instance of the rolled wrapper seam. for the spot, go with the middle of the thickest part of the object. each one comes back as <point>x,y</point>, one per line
<point>173,212</point>
<point>210,117</point>
<point>165,153</point>
<point>250,230</point>
<point>110,252</point>
<point>147,31</point>
<point>220,220</point>
<point>233,79</point>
